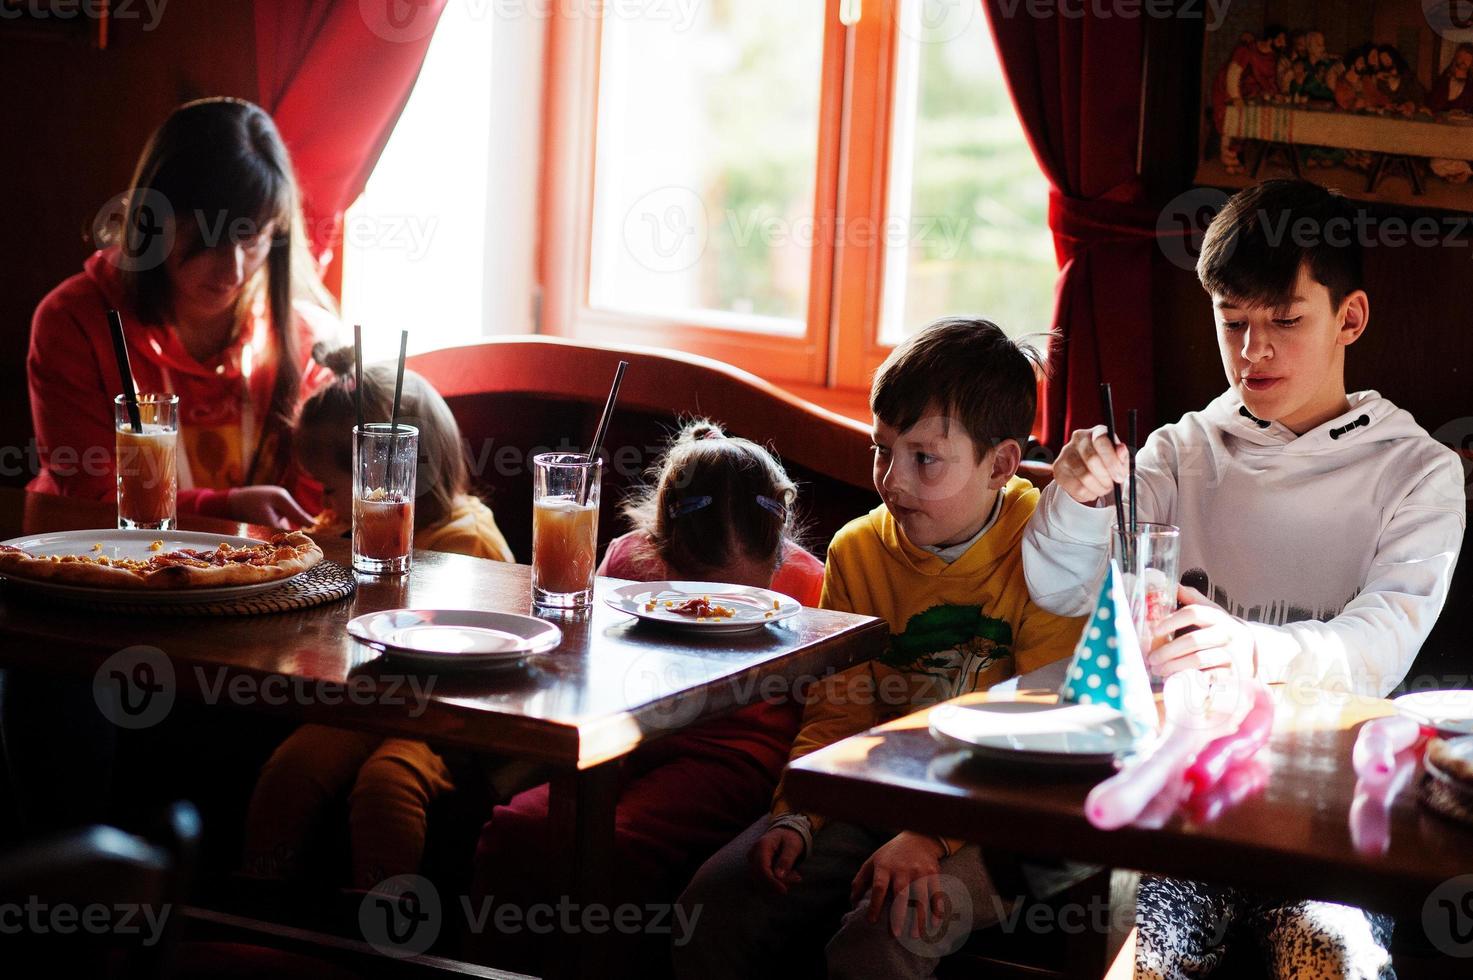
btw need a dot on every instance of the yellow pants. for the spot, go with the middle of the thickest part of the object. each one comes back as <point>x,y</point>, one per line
<point>391,782</point>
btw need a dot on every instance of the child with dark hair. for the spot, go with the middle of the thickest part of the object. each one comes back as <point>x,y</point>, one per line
<point>939,561</point>
<point>719,509</point>
<point>389,782</point>
<point>1319,528</point>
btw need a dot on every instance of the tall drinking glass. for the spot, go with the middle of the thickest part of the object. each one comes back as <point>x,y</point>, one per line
<point>384,459</point>
<point>148,477</point>
<point>1149,560</point>
<point>565,494</point>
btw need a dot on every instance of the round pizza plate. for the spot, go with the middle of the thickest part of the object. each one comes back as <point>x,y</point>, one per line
<point>116,543</point>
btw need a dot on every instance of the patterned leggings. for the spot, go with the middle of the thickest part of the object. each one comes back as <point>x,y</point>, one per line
<point>1186,928</point>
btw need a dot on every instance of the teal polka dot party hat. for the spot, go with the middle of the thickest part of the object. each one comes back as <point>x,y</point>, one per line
<point>1108,667</point>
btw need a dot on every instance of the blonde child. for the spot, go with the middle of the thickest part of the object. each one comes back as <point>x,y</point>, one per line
<point>390,781</point>
<point>719,509</point>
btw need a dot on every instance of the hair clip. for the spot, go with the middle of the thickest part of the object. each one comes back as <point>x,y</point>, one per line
<point>774,506</point>
<point>687,506</point>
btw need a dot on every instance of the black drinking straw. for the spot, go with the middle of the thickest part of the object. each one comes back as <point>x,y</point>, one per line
<point>1109,403</point>
<point>358,372</point>
<point>1133,415</point>
<point>120,349</point>
<point>603,428</point>
<point>398,389</point>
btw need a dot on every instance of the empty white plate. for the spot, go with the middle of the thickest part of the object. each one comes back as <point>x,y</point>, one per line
<point>1030,731</point>
<point>455,637</point>
<point>741,607</point>
<point>1447,711</point>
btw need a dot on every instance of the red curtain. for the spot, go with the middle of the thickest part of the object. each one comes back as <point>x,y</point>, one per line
<point>335,75</point>
<point>1076,83</point>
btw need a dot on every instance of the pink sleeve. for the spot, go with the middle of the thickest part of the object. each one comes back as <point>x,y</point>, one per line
<point>205,502</point>
<point>628,557</point>
<point>71,410</point>
<point>800,576</point>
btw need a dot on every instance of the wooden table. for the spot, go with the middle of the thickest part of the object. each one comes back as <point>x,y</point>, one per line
<point>611,685</point>
<point>1292,838</point>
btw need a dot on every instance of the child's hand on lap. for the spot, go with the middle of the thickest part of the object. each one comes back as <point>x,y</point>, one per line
<point>907,861</point>
<point>1090,465</point>
<point>1216,639</point>
<point>773,856</point>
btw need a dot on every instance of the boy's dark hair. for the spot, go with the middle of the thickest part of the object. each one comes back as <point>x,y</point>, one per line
<point>1255,246</point>
<point>965,368</point>
<point>713,498</point>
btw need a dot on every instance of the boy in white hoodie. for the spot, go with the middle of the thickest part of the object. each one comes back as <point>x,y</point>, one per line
<point>1319,531</point>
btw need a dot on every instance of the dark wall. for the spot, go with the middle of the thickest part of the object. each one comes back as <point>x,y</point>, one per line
<point>72,122</point>
<point>1418,349</point>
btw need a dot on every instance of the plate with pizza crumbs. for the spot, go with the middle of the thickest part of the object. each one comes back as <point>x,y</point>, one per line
<point>95,565</point>
<point>707,606</point>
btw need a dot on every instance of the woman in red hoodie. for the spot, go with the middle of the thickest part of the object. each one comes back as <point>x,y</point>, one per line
<point>220,305</point>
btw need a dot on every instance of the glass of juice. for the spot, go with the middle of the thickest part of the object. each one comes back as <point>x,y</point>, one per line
<point>148,477</point>
<point>1149,560</point>
<point>384,459</point>
<point>565,495</point>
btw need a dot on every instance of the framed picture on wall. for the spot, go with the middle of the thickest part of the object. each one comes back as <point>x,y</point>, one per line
<point>1375,99</point>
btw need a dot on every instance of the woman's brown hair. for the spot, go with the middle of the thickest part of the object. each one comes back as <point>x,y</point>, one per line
<point>712,498</point>
<point>443,473</point>
<point>216,166</point>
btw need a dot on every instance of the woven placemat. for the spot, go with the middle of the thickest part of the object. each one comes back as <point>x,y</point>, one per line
<point>325,582</point>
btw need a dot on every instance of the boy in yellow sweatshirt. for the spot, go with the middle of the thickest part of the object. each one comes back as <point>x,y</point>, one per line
<point>940,561</point>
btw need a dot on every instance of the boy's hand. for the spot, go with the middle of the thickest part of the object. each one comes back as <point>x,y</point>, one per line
<point>1215,638</point>
<point>773,856</point>
<point>907,866</point>
<point>269,505</point>
<point>1091,465</point>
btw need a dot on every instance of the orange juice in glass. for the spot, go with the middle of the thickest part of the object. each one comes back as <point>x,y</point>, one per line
<point>146,461</point>
<point>565,496</point>
<point>384,461</point>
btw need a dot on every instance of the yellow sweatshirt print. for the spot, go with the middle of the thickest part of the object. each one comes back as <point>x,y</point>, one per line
<point>954,628</point>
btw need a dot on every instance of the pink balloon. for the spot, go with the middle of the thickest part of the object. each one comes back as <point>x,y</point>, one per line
<point>1379,741</point>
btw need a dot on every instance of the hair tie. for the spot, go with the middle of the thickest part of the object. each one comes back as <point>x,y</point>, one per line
<point>687,506</point>
<point>774,506</point>
<point>714,433</point>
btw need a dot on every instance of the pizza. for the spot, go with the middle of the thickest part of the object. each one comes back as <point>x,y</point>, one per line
<point>283,556</point>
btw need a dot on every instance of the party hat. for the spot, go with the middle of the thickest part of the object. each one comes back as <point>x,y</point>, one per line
<point>1108,667</point>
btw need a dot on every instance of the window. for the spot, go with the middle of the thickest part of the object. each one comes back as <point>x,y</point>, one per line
<point>760,183</point>
<point>442,240</point>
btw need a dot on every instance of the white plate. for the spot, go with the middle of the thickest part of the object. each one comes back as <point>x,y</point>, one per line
<point>751,608</point>
<point>1029,731</point>
<point>134,544</point>
<point>1447,711</point>
<point>455,637</point>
